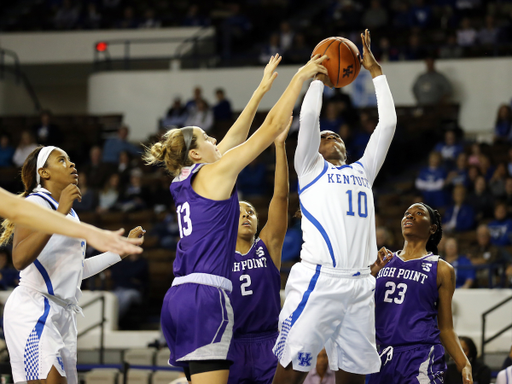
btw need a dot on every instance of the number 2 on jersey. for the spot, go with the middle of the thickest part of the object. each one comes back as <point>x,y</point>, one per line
<point>246,284</point>
<point>362,204</point>
<point>183,212</point>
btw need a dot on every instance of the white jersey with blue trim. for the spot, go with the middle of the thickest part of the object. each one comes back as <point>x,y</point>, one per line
<point>58,269</point>
<point>338,212</point>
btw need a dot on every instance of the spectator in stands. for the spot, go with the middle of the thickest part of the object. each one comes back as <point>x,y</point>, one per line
<point>128,21</point>
<point>431,87</point>
<point>449,148</point>
<point>286,36</point>
<point>167,231</point>
<point>459,175</point>
<point>150,20</point>
<point>375,17</point>
<point>503,124</point>
<point>89,197</point>
<point>402,16</point>
<point>222,110</point>
<point>300,51</point>
<point>47,133</point>
<point>124,169</point>
<point>361,136</point>
<point>501,227</point>
<point>508,194</point>
<point>66,16</point>
<point>331,121</point>
<point>450,49</point>
<point>321,374</point>
<point>486,167</point>
<point>481,200</point>
<point>415,48</point>
<point>129,282</point>
<point>109,195</point>
<point>92,17</point>
<point>430,182</point>
<point>115,145</point>
<point>97,172</point>
<point>25,147</point>
<point>135,196</point>
<point>420,14</point>
<point>6,151</point>
<point>466,34</point>
<point>385,52</point>
<point>200,116</point>
<point>459,216</point>
<point>9,276</point>
<point>269,49</point>
<point>193,18</point>
<point>176,114</point>
<point>481,372</point>
<point>465,274</point>
<point>488,34</point>
<point>292,241</point>
<point>197,95</point>
<point>476,152</point>
<point>497,181</point>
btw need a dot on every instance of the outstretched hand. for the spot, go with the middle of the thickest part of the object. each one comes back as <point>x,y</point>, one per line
<point>313,67</point>
<point>136,233</point>
<point>368,61</point>
<point>269,74</point>
<point>113,241</point>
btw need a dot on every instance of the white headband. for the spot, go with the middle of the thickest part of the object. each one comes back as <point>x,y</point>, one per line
<point>41,160</point>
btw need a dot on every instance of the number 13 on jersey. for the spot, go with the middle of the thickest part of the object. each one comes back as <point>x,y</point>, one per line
<point>184,222</point>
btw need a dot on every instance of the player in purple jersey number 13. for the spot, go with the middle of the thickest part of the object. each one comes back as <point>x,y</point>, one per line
<point>413,306</point>
<point>257,282</point>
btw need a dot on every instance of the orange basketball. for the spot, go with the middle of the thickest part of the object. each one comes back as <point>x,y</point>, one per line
<point>344,62</point>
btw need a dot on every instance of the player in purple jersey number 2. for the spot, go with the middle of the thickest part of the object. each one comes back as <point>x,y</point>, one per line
<point>196,314</point>
<point>257,282</point>
<point>413,306</point>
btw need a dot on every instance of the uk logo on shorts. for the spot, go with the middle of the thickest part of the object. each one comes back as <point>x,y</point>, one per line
<point>305,359</point>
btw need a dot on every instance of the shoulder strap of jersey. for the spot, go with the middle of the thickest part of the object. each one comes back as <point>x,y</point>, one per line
<point>52,205</point>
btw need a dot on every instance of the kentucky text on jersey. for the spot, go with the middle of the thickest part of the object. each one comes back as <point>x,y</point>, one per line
<point>348,179</point>
<point>405,274</point>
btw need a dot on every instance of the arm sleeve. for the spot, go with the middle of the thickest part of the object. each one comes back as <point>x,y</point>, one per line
<point>96,264</point>
<point>308,142</point>
<point>378,146</point>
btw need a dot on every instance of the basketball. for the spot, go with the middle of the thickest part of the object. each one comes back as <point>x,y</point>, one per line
<point>344,60</point>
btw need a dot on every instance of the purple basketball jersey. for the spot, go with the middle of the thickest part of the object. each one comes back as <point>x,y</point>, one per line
<point>406,299</point>
<point>255,296</point>
<point>208,228</point>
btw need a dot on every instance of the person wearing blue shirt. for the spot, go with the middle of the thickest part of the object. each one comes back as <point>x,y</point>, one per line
<point>465,274</point>
<point>115,145</point>
<point>431,181</point>
<point>501,227</point>
<point>459,216</point>
<point>449,148</point>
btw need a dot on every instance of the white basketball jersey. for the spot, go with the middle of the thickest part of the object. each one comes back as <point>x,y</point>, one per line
<point>338,213</point>
<point>58,268</point>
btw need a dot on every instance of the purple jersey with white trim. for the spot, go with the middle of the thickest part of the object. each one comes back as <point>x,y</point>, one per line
<point>208,228</point>
<point>406,300</point>
<point>255,297</point>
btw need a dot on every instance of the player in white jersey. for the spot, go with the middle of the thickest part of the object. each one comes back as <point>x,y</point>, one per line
<point>40,314</point>
<point>22,212</point>
<point>329,295</point>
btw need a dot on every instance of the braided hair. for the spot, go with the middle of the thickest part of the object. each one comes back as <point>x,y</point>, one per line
<point>435,238</point>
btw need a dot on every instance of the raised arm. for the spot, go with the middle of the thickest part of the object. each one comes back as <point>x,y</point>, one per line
<point>308,142</point>
<point>274,231</point>
<point>380,140</point>
<point>217,180</point>
<point>450,340</point>
<point>30,215</point>
<point>238,132</point>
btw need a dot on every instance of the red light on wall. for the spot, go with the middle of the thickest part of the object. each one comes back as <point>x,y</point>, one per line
<point>101,46</point>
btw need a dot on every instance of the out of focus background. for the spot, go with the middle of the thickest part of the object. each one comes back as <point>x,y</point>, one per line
<point>102,78</point>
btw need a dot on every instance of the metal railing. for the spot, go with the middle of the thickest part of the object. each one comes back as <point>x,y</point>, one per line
<point>106,56</point>
<point>19,75</point>
<point>100,324</point>
<point>484,319</point>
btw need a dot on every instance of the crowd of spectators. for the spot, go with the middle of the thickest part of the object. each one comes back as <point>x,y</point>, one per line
<point>255,29</point>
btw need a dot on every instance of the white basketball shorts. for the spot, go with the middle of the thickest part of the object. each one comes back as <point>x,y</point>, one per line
<point>329,308</point>
<point>39,334</point>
